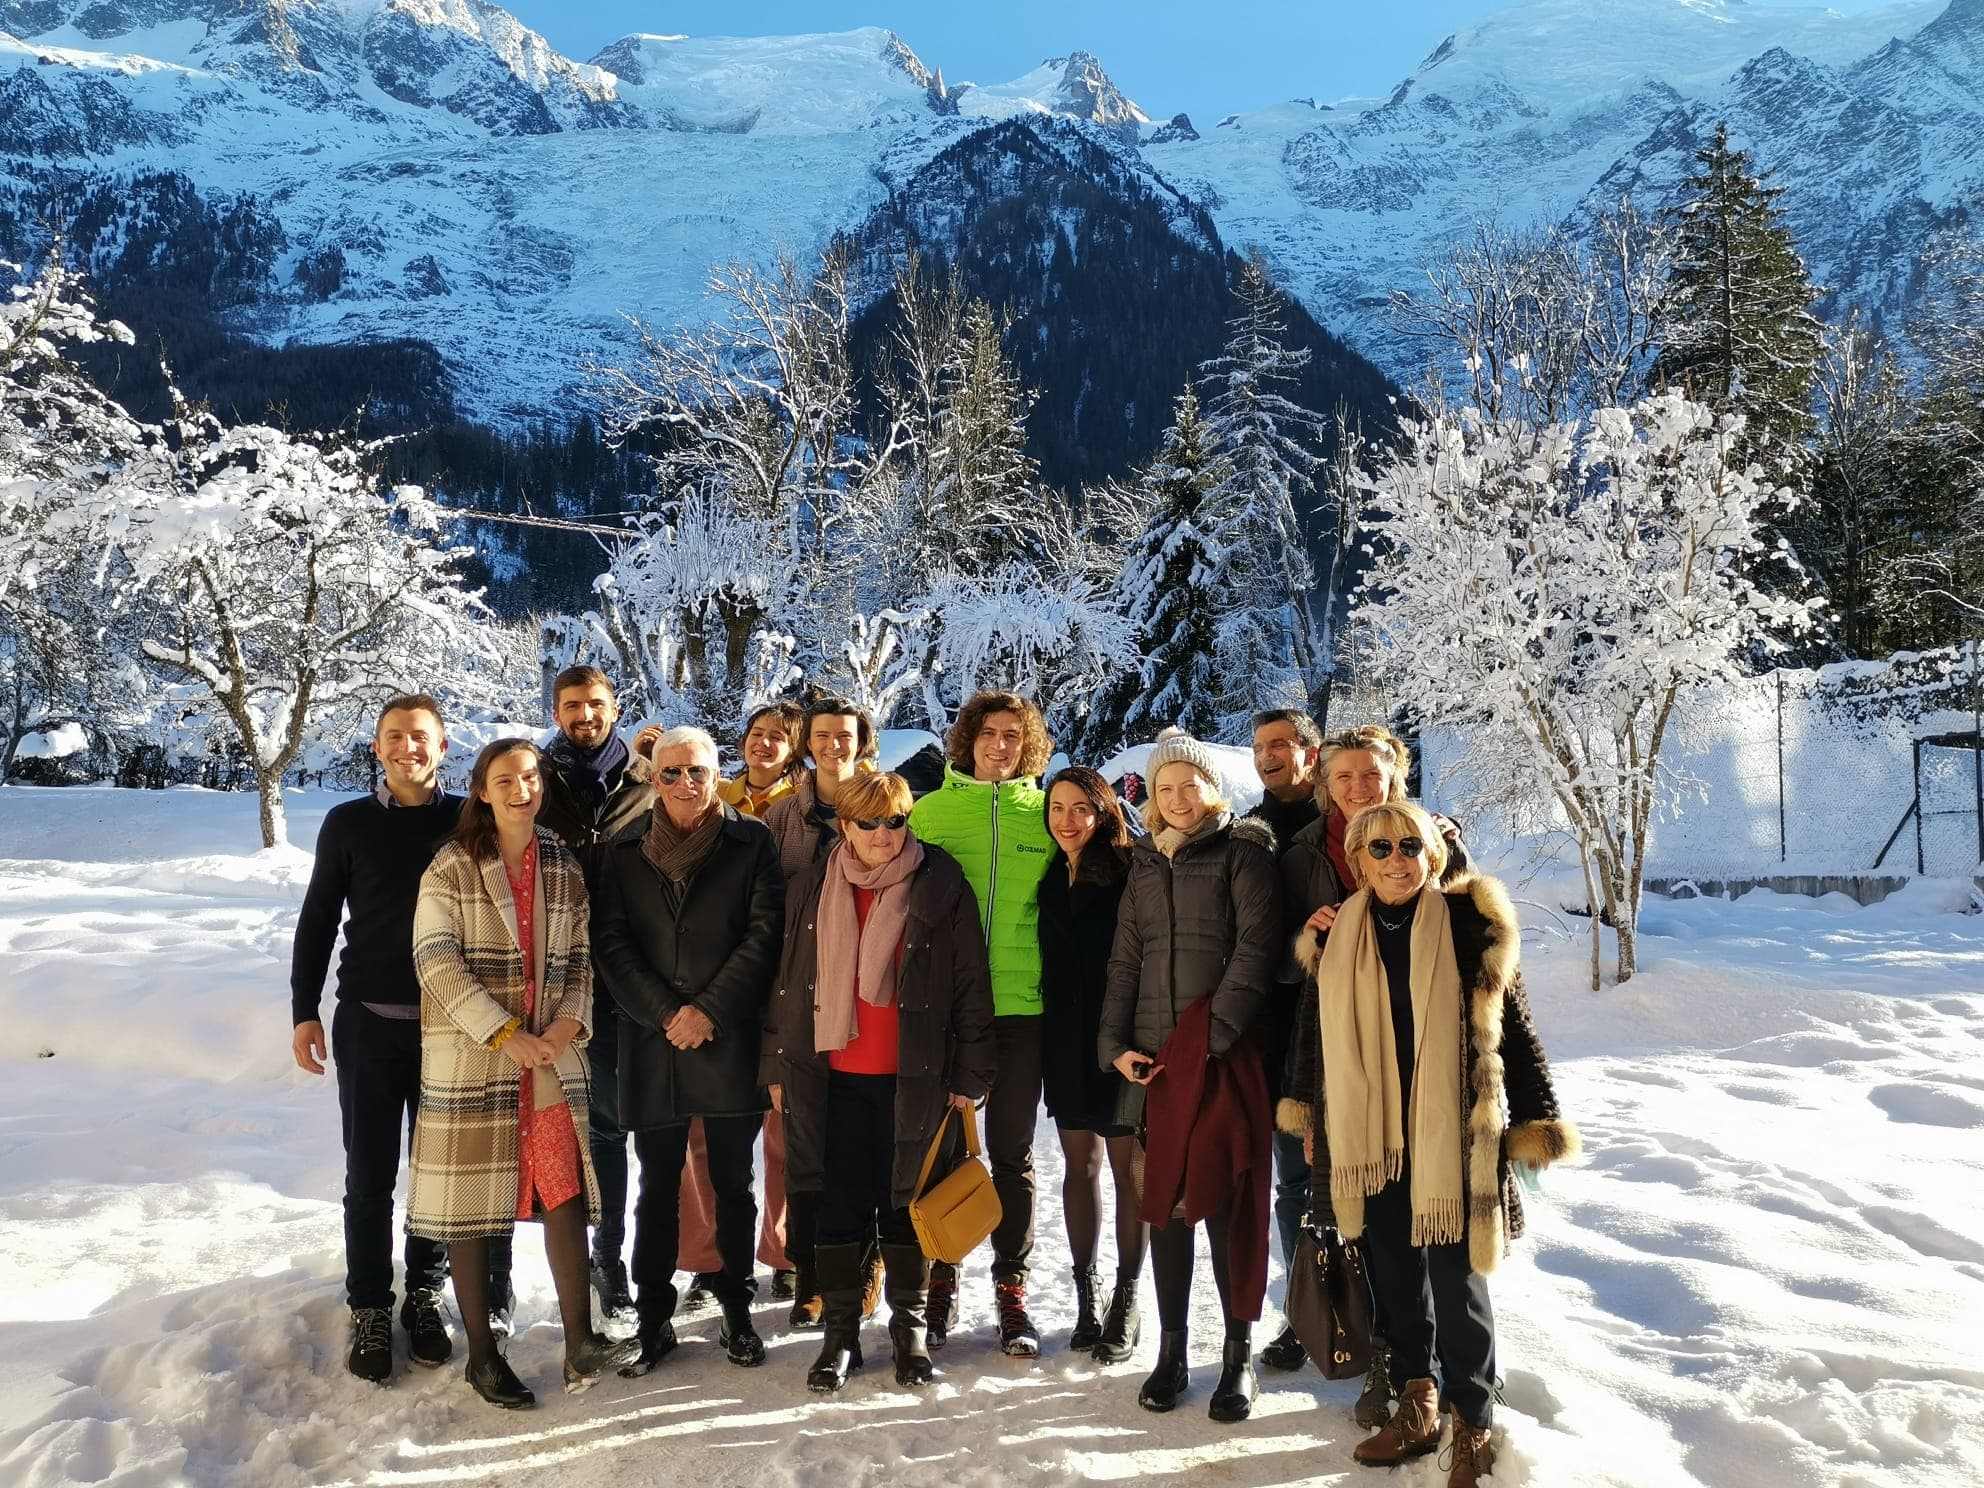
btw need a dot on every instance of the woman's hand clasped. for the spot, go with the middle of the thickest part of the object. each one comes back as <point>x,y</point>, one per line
<point>527,1050</point>
<point>1138,1069</point>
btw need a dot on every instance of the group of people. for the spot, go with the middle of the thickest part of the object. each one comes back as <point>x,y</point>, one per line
<point>828,962</point>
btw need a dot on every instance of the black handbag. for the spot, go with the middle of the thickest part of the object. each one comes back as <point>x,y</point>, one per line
<point>1329,1303</point>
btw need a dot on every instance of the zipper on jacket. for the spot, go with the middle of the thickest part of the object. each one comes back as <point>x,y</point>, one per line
<point>992,878</point>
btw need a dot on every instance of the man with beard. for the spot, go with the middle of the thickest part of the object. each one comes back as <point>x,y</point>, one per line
<point>593,791</point>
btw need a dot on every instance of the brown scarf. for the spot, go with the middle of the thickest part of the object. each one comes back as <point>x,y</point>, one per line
<point>677,854</point>
<point>1369,1136</point>
<point>851,953</point>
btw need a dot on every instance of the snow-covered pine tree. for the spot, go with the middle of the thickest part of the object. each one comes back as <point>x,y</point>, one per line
<point>981,491</point>
<point>280,582</point>
<point>1270,650</point>
<point>1736,325</point>
<point>1169,594</point>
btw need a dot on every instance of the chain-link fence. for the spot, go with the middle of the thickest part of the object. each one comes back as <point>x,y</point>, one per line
<point>1842,770</point>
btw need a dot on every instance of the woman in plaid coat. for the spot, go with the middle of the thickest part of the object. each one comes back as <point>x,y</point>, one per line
<point>503,1075</point>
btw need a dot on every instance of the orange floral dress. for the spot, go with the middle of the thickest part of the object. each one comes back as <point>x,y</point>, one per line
<point>548,1144</point>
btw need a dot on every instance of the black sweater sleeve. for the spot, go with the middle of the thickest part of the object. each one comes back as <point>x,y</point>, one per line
<point>318,921</point>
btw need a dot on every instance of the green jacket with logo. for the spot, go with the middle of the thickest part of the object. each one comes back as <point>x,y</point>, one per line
<point>998,834</point>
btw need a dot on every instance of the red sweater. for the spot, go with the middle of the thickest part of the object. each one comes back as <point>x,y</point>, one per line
<point>873,1049</point>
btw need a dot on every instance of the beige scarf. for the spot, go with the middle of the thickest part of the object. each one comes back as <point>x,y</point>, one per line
<point>851,953</point>
<point>1369,1135</point>
<point>1169,839</point>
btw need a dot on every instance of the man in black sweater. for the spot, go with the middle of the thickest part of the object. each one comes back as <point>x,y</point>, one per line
<point>593,793</point>
<point>1287,747</point>
<point>371,853</point>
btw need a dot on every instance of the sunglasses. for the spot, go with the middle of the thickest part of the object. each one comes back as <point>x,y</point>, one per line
<point>1380,848</point>
<point>875,823</point>
<point>698,774</point>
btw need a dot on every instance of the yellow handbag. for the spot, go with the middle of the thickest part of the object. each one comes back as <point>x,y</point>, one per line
<point>954,1215</point>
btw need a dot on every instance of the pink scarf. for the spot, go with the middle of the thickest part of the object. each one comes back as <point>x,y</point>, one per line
<point>850,954</point>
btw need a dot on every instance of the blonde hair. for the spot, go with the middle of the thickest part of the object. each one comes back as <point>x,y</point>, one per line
<point>1396,820</point>
<point>870,797</point>
<point>1379,742</point>
<point>1154,821</point>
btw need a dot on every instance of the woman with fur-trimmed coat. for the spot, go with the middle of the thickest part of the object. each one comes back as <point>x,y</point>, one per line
<point>1412,980</point>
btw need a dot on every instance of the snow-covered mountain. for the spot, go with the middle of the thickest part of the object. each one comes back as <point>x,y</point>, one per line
<point>434,170</point>
<point>1870,122</point>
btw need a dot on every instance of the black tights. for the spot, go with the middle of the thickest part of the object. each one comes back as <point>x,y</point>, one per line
<point>1171,1247</point>
<point>564,1248</point>
<point>1081,1199</point>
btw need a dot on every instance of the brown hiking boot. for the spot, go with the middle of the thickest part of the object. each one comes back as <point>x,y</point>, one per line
<point>1472,1454</point>
<point>1413,1431</point>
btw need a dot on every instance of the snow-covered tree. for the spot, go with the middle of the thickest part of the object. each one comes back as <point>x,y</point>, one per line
<point>282,585</point>
<point>1027,630</point>
<point>1736,326</point>
<point>1554,592</point>
<point>1270,635</point>
<point>1543,324</point>
<point>60,659</point>
<point>1170,598</point>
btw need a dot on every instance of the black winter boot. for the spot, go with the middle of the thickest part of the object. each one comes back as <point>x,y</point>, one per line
<point>840,1273</point>
<point>1284,1350</point>
<point>1374,1405</point>
<point>1017,1335</point>
<point>908,1280</point>
<point>655,1332</point>
<point>1122,1325</point>
<point>1087,1330</point>
<point>1233,1396</point>
<point>941,1307</point>
<point>1169,1377</point>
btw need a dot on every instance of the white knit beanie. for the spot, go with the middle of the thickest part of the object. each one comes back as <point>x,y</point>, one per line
<point>1176,747</point>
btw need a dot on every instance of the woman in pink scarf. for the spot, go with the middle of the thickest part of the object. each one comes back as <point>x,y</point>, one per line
<point>880,1023</point>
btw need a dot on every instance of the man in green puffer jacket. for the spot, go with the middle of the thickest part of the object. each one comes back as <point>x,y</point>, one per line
<point>990,814</point>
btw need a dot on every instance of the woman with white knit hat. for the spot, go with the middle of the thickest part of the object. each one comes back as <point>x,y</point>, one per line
<point>1196,948</point>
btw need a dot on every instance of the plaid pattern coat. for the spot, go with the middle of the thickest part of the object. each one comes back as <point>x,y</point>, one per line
<point>471,971</point>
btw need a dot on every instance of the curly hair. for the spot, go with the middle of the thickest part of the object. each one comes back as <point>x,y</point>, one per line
<point>1034,755</point>
<point>1374,739</point>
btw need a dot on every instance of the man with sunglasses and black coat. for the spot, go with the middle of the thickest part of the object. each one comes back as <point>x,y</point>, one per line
<point>688,918</point>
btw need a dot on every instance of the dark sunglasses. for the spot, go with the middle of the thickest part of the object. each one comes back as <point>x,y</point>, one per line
<point>1380,848</point>
<point>697,774</point>
<point>875,823</point>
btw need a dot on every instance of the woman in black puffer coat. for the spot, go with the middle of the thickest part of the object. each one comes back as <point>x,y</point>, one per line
<point>1079,897</point>
<point>1197,944</point>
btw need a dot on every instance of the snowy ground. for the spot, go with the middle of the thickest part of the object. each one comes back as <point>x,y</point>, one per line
<point>1769,1269</point>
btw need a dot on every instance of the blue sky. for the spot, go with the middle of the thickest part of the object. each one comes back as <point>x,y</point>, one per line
<point>1207,58</point>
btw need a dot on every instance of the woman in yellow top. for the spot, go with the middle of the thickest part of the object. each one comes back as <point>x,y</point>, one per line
<point>773,759</point>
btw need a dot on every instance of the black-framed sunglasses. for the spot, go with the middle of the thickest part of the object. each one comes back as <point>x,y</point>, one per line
<point>671,774</point>
<point>874,823</point>
<point>1380,848</point>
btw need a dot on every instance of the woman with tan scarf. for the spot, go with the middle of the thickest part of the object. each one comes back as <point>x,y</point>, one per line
<point>880,1023</point>
<point>1423,1032</point>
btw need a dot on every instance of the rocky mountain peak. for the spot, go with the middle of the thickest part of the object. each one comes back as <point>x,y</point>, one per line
<point>1086,91</point>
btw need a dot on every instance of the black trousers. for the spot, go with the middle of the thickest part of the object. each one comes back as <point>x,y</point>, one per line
<point>855,1204</point>
<point>731,1141</point>
<point>377,1061</point>
<point>1012,1113</point>
<point>608,1143</point>
<point>1433,1303</point>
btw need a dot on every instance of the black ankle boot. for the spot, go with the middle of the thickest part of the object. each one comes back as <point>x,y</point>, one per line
<point>906,1285</point>
<point>1087,1330</point>
<point>839,1268</point>
<point>1122,1325</point>
<point>1233,1396</point>
<point>1169,1377</point>
<point>738,1338</point>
